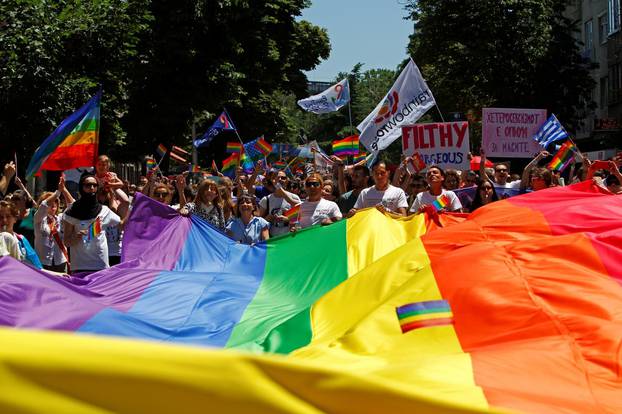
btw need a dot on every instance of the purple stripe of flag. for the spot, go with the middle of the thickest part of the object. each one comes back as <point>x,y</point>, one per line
<point>417,306</point>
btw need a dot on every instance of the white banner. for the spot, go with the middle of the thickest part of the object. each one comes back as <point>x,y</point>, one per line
<point>408,100</point>
<point>330,100</point>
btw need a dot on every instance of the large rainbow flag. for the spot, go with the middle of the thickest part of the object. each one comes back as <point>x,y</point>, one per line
<point>529,287</point>
<point>73,144</point>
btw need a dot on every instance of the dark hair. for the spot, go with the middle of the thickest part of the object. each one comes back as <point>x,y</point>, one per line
<point>543,173</point>
<point>438,168</point>
<point>361,168</point>
<point>478,201</point>
<point>612,180</point>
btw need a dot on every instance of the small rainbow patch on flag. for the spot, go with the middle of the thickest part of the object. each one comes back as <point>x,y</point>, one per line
<point>161,150</point>
<point>263,146</point>
<point>360,157</point>
<point>194,168</point>
<point>94,229</point>
<point>424,314</point>
<point>151,164</point>
<point>229,164</point>
<point>234,147</point>
<point>441,202</point>
<point>346,146</point>
<point>293,214</point>
<point>279,164</point>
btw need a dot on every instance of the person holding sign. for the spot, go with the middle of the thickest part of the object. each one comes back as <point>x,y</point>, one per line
<point>382,195</point>
<point>435,178</point>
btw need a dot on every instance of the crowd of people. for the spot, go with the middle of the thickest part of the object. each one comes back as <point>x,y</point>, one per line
<point>81,231</point>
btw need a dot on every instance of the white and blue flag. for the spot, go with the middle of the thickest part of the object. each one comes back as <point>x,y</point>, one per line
<point>330,100</point>
<point>551,131</point>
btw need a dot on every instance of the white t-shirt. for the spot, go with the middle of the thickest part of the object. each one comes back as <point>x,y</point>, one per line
<point>392,198</point>
<point>313,212</point>
<point>46,247</point>
<point>9,246</point>
<point>276,205</point>
<point>92,254</point>
<point>425,199</point>
<point>515,185</point>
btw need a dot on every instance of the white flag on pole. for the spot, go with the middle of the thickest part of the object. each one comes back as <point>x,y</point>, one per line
<point>408,100</point>
<point>330,100</point>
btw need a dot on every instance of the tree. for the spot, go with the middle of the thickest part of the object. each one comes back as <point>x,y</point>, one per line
<point>505,53</point>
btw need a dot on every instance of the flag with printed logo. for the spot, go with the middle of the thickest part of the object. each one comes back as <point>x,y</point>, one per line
<point>330,100</point>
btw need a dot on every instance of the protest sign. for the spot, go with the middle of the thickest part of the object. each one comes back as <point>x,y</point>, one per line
<point>445,144</point>
<point>508,132</point>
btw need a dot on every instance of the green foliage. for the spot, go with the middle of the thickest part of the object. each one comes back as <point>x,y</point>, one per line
<point>503,53</point>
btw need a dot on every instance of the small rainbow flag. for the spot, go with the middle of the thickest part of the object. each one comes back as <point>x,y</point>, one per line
<point>234,147</point>
<point>347,146</point>
<point>563,157</point>
<point>293,214</point>
<point>94,229</point>
<point>229,164</point>
<point>424,314</point>
<point>441,202</point>
<point>214,166</point>
<point>263,146</point>
<point>360,157</point>
<point>280,164</point>
<point>161,150</point>
<point>151,164</point>
<point>194,168</point>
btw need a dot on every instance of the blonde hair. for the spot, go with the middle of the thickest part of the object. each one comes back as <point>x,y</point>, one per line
<point>206,184</point>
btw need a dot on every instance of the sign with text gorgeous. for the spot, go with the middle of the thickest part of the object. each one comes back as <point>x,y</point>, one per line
<point>508,132</point>
<point>445,144</point>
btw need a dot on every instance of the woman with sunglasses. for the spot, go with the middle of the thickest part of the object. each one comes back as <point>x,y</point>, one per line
<point>246,228</point>
<point>484,195</point>
<point>84,228</point>
<point>207,204</point>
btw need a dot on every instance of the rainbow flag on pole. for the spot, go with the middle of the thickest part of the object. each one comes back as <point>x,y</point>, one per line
<point>151,164</point>
<point>263,146</point>
<point>233,147</point>
<point>161,150</point>
<point>230,164</point>
<point>73,144</point>
<point>536,320</point>
<point>563,157</point>
<point>346,146</point>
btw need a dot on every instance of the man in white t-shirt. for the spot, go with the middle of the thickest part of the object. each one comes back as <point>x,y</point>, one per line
<point>501,176</point>
<point>316,210</point>
<point>435,177</point>
<point>382,194</point>
<point>273,206</point>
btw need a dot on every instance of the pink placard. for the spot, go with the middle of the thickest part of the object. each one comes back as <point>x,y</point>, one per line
<point>508,132</point>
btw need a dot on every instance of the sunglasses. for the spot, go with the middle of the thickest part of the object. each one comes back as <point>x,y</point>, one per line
<point>315,184</point>
<point>90,185</point>
<point>160,195</point>
<point>501,170</point>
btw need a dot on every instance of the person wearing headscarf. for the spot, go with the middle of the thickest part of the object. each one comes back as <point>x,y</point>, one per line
<point>84,225</point>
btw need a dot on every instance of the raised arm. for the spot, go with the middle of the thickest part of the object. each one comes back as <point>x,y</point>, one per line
<point>524,183</point>
<point>7,175</point>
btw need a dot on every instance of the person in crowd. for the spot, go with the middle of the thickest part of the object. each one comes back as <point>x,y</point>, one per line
<point>228,206</point>
<point>274,205</point>
<point>119,203</point>
<point>7,175</point>
<point>536,178</point>
<point>452,180</point>
<point>329,192</point>
<point>9,214</point>
<point>25,204</point>
<point>435,177</point>
<point>106,178</point>
<point>316,210</point>
<point>500,176</point>
<point>84,228</point>
<point>207,205</point>
<point>360,180</point>
<point>48,233</point>
<point>162,192</point>
<point>246,228</point>
<point>382,194</point>
<point>485,194</point>
<point>417,185</point>
<point>610,182</point>
<point>469,179</point>
<point>9,246</point>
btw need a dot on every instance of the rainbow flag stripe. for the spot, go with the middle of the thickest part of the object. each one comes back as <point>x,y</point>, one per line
<point>280,164</point>
<point>263,146</point>
<point>424,314</point>
<point>441,202</point>
<point>229,164</point>
<point>161,150</point>
<point>563,157</point>
<point>346,146</point>
<point>360,157</point>
<point>194,168</point>
<point>73,144</point>
<point>536,320</point>
<point>94,229</point>
<point>151,163</point>
<point>233,147</point>
<point>293,214</point>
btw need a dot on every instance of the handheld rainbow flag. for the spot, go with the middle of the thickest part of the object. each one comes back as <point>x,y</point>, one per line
<point>73,144</point>
<point>214,166</point>
<point>94,229</point>
<point>563,157</point>
<point>441,202</point>
<point>360,157</point>
<point>263,146</point>
<point>424,314</point>
<point>347,146</point>
<point>194,168</point>
<point>161,150</point>
<point>229,164</point>
<point>233,147</point>
<point>293,214</point>
<point>151,164</point>
<point>280,164</point>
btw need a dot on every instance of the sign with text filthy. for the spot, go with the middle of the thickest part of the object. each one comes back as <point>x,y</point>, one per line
<point>445,144</point>
<point>508,132</point>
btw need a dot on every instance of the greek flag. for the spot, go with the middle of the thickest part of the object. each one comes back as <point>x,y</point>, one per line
<point>550,131</point>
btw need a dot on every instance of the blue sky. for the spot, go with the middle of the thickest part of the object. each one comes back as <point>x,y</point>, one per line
<point>371,32</point>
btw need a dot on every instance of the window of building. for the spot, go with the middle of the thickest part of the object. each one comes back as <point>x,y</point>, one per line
<point>588,41</point>
<point>603,28</point>
<point>614,16</point>
<point>603,93</point>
